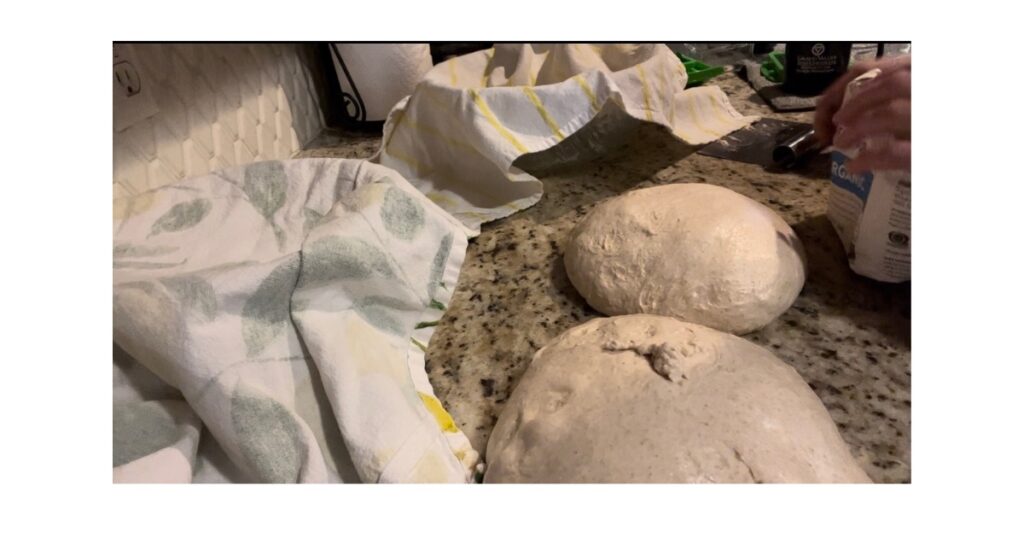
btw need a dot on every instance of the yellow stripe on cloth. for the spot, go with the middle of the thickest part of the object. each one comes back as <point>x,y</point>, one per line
<point>666,91</point>
<point>544,114</point>
<point>454,142</point>
<point>486,111</point>
<point>481,217</point>
<point>444,420</point>
<point>417,167</point>
<point>451,70</point>
<point>442,199</point>
<point>587,90</point>
<point>716,110</point>
<point>696,118</point>
<point>647,92</point>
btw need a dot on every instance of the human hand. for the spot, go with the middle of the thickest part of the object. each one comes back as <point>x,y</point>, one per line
<point>876,119</point>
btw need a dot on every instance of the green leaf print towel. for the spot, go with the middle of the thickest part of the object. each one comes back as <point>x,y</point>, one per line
<point>271,322</point>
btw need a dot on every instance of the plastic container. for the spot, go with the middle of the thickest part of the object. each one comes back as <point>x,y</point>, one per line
<point>698,72</point>
<point>774,66</point>
<point>715,53</point>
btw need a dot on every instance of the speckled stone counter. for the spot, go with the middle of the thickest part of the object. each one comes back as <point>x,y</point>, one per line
<point>849,337</point>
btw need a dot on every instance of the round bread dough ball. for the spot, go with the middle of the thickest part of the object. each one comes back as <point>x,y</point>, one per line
<point>646,398</point>
<point>697,252</point>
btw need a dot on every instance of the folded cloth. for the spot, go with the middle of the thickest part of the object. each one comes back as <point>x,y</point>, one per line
<point>457,138</point>
<point>286,306</point>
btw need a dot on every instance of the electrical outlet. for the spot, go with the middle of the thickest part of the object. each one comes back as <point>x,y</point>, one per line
<point>128,78</point>
<point>133,100</point>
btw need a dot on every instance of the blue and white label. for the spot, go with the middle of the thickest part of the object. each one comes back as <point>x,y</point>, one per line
<point>859,185</point>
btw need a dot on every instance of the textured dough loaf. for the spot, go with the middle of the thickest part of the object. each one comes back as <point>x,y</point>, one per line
<point>646,398</point>
<point>698,252</point>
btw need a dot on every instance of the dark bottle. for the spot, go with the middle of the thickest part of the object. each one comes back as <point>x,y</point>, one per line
<point>812,66</point>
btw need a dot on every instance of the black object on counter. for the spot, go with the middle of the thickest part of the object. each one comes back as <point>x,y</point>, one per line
<point>812,66</point>
<point>760,142</point>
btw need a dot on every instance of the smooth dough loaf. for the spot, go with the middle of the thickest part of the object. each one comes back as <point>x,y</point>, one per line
<point>646,399</point>
<point>697,252</point>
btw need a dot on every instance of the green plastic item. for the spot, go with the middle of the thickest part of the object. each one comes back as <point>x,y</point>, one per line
<point>697,72</point>
<point>774,68</point>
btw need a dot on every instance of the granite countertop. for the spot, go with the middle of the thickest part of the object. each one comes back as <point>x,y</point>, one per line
<point>848,336</point>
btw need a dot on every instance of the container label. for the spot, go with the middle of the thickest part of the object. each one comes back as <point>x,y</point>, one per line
<point>859,185</point>
<point>818,63</point>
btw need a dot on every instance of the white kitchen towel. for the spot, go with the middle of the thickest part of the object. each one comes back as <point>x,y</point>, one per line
<point>459,137</point>
<point>283,309</point>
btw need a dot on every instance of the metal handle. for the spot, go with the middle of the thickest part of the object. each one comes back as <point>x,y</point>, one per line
<point>793,148</point>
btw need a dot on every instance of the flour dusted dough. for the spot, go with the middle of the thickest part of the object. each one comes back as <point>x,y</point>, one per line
<point>646,398</point>
<point>697,252</point>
